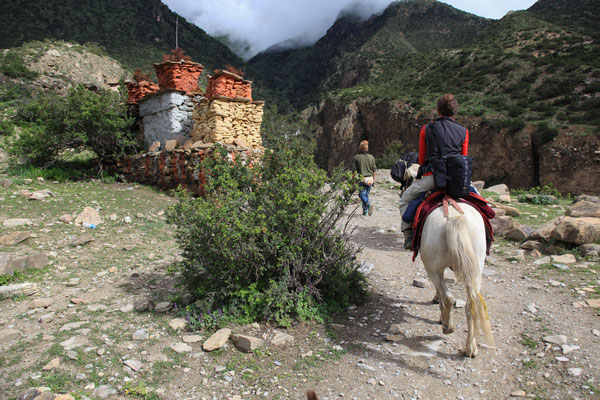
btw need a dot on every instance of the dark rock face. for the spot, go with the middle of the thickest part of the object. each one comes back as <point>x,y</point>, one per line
<point>568,163</point>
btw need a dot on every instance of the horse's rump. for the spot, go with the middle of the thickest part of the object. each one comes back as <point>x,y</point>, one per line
<point>459,242</point>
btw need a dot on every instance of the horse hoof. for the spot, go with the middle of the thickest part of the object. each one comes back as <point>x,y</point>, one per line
<point>471,353</point>
<point>435,300</point>
<point>447,329</point>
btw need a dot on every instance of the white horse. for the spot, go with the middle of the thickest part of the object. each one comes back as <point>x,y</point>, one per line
<point>458,242</point>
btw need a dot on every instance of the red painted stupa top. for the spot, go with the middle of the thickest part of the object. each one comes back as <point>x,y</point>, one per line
<point>141,86</point>
<point>228,83</point>
<point>178,72</point>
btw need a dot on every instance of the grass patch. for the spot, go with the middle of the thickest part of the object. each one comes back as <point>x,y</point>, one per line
<point>528,341</point>
<point>58,382</point>
<point>139,391</point>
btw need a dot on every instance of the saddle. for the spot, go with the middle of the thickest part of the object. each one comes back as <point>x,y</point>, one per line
<point>441,198</point>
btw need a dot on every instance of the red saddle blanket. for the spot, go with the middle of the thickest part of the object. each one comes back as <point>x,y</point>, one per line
<point>435,200</point>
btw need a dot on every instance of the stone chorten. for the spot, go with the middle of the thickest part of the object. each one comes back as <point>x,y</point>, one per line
<point>228,114</point>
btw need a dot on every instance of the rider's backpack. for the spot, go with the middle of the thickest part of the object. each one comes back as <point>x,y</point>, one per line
<point>451,171</point>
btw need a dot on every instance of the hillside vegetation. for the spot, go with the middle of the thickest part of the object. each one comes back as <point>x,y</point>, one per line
<point>521,69</point>
<point>527,67</point>
<point>352,49</point>
<point>135,32</point>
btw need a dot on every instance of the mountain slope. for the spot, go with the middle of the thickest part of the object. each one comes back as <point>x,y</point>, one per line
<point>352,48</point>
<point>578,15</point>
<point>135,32</point>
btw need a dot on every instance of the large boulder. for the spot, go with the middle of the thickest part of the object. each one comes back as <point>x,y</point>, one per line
<point>217,340</point>
<point>504,224</point>
<point>478,185</point>
<point>10,263</point>
<point>89,215</point>
<point>584,208</point>
<point>519,234</point>
<point>500,189</point>
<point>544,232</point>
<point>577,230</point>
<point>590,249</point>
<point>533,245</point>
<point>500,212</point>
<point>586,197</point>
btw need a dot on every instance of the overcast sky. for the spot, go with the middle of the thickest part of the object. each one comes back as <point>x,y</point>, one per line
<point>261,23</point>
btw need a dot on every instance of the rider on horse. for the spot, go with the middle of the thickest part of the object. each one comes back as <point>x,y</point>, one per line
<point>455,140</point>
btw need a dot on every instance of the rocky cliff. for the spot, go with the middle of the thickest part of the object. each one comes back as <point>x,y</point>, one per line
<point>570,163</point>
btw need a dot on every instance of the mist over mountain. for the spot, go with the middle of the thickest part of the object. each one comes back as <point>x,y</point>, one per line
<point>262,24</point>
<point>346,54</point>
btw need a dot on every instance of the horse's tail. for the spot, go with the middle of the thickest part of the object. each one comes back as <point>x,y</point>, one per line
<point>466,267</point>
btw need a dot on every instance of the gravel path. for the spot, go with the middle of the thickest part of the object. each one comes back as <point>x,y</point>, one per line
<point>390,348</point>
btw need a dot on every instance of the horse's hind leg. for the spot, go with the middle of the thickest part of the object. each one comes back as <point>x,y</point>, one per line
<point>471,345</point>
<point>445,298</point>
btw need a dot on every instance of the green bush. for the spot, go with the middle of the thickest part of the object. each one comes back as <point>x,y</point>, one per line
<point>6,128</point>
<point>392,153</point>
<point>53,127</point>
<point>547,194</point>
<point>14,95</point>
<point>542,199</point>
<point>265,243</point>
<point>513,125</point>
<point>14,67</point>
<point>546,132</point>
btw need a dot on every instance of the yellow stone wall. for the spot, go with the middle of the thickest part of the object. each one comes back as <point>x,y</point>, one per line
<point>225,120</point>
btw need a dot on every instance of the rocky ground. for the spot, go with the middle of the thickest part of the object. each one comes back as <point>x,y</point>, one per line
<point>100,316</point>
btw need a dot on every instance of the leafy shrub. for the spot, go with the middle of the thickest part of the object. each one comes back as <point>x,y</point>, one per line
<point>83,120</point>
<point>6,128</point>
<point>513,125</point>
<point>546,132</point>
<point>14,94</point>
<point>542,199</point>
<point>549,194</point>
<point>392,153</point>
<point>14,67</point>
<point>265,243</point>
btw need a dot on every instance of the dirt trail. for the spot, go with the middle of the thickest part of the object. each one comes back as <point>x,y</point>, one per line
<point>127,263</point>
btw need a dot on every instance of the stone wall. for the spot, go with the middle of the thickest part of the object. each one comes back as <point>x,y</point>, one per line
<point>169,169</point>
<point>165,115</point>
<point>228,120</point>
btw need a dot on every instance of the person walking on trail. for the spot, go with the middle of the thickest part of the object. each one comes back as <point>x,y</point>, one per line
<point>455,139</point>
<point>364,165</point>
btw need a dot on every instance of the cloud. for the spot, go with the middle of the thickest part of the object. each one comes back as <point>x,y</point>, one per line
<point>490,8</point>
<point>259,24</point>
<point>250,26</point>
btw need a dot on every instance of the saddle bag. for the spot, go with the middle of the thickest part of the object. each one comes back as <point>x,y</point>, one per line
<point>399,168</point>
<point>451,172</point>
<point>459,169</point>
